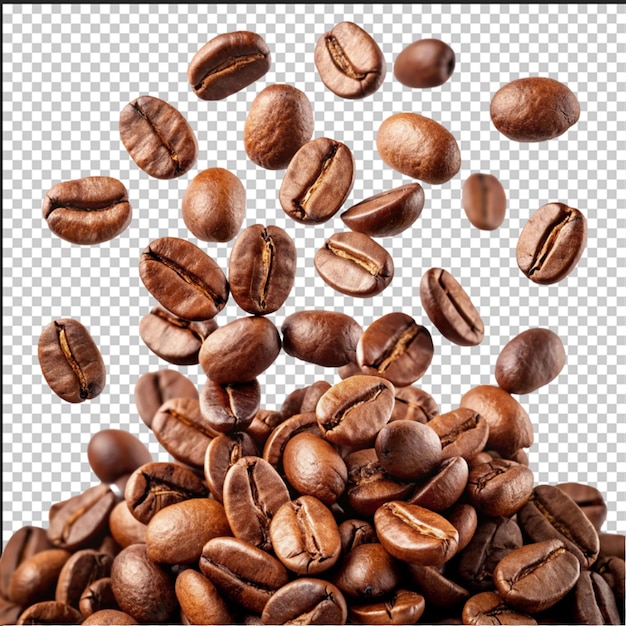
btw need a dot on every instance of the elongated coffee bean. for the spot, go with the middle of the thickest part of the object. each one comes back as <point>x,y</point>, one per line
<point>199,600</point>
<point>230,407</point>
<point>484,201</point>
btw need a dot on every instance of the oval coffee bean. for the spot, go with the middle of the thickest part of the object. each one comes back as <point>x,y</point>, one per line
<point>412,403</point>
<point>445,487</point>
<point>530,360</point>
<point>125,529</point>
<point>158,138</point>
<point>354,264</point>
<point>349,61</point>
<point>418,147</point>
<point>279,122</point>
<point>50,612</point>
<point>534,109</point>
<point>465,519</point>
<point>228,408</point>
<point>109,617</point>
<point>97,596</point>
<point>592,503</point>
<point>262,269</point>
<point>88,210</point>
<point>354,532</point>
<point>484,201</point>
<point>183,279</point>
<point>70,361</point>
<point>462,432</point>
<point>313,393</point>
<point>488,607</point>
<point>437,589</point>
<point>551,243</point>
<point>594,601</point>
<point>227,64</point>
<point>450,309</point>
<point>425,63</point>
<point>317,181</point>
<point>78,572</point>
<point>199,599</point>
<point>402,607</point>
<point>388,213</point>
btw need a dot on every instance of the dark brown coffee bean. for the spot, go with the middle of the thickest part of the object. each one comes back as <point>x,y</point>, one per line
<point>88,210</point>
<point>70,361</point>
<point>413,403</point>
<point>142,588</point>
<point>243,573</point>
<point>158,138</point>
<point>445,487</point>
<point>590,500</point>
<point>199,599</point>
<point>326,338</point>
<point>184,280</point>
<point>418,147</point>
<point>613,571</point>
<point>229,407</point>
<point>593,601</point>
<point>50,612</point>
<point>551,243</point>
<point>349,61</point>
<point>534,109</point>
<point>354,532</point>
<point>317,182</point>
<point>395,347</point>
<point>450,309</point>
<point>125,528</point>
<point>552,514</point>
<point>263,424</point>
<point>462,432</point>
<point>425,63</point>
<point>293,401</point>
<point>488,608</point>
<point>153,389</point>
<point>388,213</point>
<point>352,411</point>
<point>279,122</point>
<point>262,269</point>
<point>354,264</point>
<point>437,589</point>
<point>484,201</point>
<point>465,519</point>
<point>78,572</point>
<point>536,576</point>
<point>241,350</point>
<point>313,393</point>
<point>109,617</point>
<point>611,544</point>
<point>401,607</point>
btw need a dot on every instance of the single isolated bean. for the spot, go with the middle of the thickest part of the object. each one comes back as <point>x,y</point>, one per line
<point>425,63</point>
<point>484,201</point>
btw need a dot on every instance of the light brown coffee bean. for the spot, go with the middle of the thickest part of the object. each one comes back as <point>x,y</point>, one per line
<point>109,617</point>
<point>124,527</point>
<point>462,432</point>
<point>200,600</point>
<point>484,201</point>
<point>425,63</point>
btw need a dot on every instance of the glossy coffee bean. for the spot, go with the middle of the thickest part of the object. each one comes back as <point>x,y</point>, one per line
<point>534,109</point>
<point>109,617</point>
<point>590,500</point>
<point>594,601</point>
<point>418,147</point>
<point>124,527</point>
<point>445,487</point>
<point>71,361</point>
<point>465,519</point>
<point>401,607</point>
<point>354,532</point>
<point>279,122</point>
<point>313,393</point>
<point>50,612</point>
<point>551,243</point>
<point>88,210</point>
<point>488,607</point>
<point>158,138</point>
<point>413,403</point>
<point>450,309</point>
<point>437,589</point>
<point>183,279</point>
<point>227,64</point>
<point>97,596</point>
<point>462,432</point>
<point>262,269</point>
<point>200,600</point>
<point>484,201</point>
<point>229,407</point>
<point>263,424</point>
<point>79,571</point>
<point>425,63</point>
<point>349,61</point>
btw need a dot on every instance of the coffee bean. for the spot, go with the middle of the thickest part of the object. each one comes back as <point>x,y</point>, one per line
<point>462,432</point>
<point>88,210</point>
<point>229,407</point>
<point>354,532</point>
<point>593,601</point>
<point>183,279</point>
<point>317,182</point>
<point>445,487</point>
<point>551,243</point>
<point>412,403</point>
<point>489,608</point>
<point>349,61</point>
<point>78,572</point>
<point>158,138</point>
<point>292,403</point>
<point>450,309</point>
<point>425,63</point>
<point>436,588</point>
<point>109,617</point>
<point>464,518</point>
<point>70,361</point>
<point>97,596</point>
<point>124,527</point>
<point>534,109</point>
<point>611,544</point>
<point>313,393</point>
<point>50,612</point>
<point>262,269</point>
<point>590,500</point>
<point>354,264</point>
<point>418,147</point>
<point>613,571</point>
<point>199,599</point>
<point>388,213</point>
<point>484,201</point>
<point>279,122</point>
<point>263,424</point>
<point>227,64</point>
<point>401,607</point>
<point>9,611</point>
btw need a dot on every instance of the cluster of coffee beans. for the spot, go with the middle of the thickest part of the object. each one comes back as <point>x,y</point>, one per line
<point>357,501</point>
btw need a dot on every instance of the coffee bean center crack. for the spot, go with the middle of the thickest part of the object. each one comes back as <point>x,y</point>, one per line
<point>466,426</point>
<point>159,488</point>
<point>416,524</point>
<point>183,419</point>
<point>307,533</point>
<point>341,413</point>
<point>179,323</point>
<point>368,265</point>
<point>231,66</point>
<point>341,60</point>
<point>325,165</point>
<point>549,241</point>
<point>84,208</point>
<point>74,517</point>
<point>71,360</point>
<point>267,259</point>
<point>400,343</point>
<point>457,306</point>
<point>534,566</point>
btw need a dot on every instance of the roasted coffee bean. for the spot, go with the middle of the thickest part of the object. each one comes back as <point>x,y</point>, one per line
<point>158,138</point>
<point>482,457</point>
<point>611,544</point>
<point>109,545</point>
<point>450,309</point>
<point>241,350</point>
<point>172,338</point>
<point>465,519</point>
<point>413,403</point>
<point>9,611</point>
<point>401,607</point>
<point>593,601</point>
<point>229,407</point>
<point>227,64</point>
<point>352,411</point>
<point>88,210</point>
<point>70,361</point>
<point>536,576</point>
<point>551,243</point>
<point>437,589</point>
<point>462,432</point>
<point>154,486</point>
<point>199,599</point>
<point>445,487</point>
<point>489,608</point>
<point>354,264</point>
<point>326,338</point>
<point>484,201</point>
<point>279,122</point>
<point>184,280</point>
<point>124,527</point>
<point>613,571</point>
<point>388,213</point>
<point>534,109</point>
<point>50,612</point>
<point>552,514</point>
<point>349,61</point>
<point>109,617</point>
<point>354,532</point>
<point>313,393</point>
<point>292,403</point>
<point>317,182</point>
<point>395,347</point>
<point>590,500</point>
<point>262,269</point>
<point>78,572</point>
<point>418,147</point>
<point>425,63</point>
<point>263,424</point>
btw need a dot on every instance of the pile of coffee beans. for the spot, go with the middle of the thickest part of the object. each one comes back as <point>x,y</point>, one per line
<point>356,501</point>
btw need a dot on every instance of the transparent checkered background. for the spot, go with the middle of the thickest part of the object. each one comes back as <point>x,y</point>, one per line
<point>68,70</point>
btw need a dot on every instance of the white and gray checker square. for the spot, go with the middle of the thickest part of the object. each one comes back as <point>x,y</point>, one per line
<point>68,70</point>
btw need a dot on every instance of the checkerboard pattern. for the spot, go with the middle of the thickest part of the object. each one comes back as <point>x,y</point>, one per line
<point>68,70</point>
